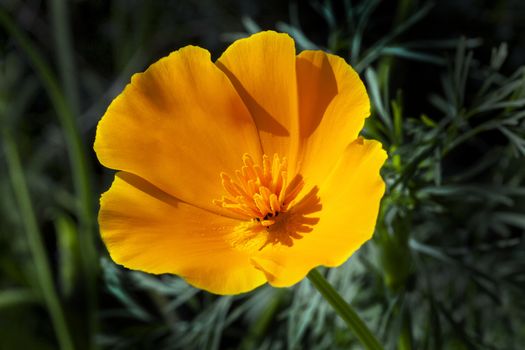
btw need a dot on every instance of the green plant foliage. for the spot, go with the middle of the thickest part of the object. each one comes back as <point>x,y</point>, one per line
<point>446,266</point>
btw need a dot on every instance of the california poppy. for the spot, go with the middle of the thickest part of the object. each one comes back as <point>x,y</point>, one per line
<point>241,171</point>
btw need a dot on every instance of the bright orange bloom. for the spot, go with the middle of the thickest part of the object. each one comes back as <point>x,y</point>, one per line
<point>239,172</point>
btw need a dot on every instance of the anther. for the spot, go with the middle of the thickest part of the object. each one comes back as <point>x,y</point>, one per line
<point>260,192</point>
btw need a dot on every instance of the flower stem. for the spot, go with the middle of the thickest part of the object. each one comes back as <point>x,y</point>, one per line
<point>347,313</point>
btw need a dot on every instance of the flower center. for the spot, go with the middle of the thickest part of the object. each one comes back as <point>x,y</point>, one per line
<point>260,193</point>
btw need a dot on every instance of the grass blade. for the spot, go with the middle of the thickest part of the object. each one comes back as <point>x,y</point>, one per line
<point>34,237</point>
<point>77,158</point>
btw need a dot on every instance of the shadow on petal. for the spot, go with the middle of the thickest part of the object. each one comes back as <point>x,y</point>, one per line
<point>264,120</point>
<point>296,222</point>
<point>148,188</point>
<point>317,87</point>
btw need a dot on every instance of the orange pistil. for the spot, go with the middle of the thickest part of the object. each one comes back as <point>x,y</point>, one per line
<point>260,193</point>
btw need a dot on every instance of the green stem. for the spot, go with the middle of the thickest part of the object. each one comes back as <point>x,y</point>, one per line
<point>64,51</point>
<point>405,338</point>
<point>347,313</point>
<point>67,120</point>
<point>77,158</point>
<point>38,251</point>
<point>17,296</point>
<point>66,117</point>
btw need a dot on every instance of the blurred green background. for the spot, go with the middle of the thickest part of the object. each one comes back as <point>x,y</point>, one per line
<point>446,267</point>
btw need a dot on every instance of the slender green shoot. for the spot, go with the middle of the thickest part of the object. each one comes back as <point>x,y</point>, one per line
<point>345,311</point>
<point>64,49</point>
<point>34,237</point>
<point>77,157</point>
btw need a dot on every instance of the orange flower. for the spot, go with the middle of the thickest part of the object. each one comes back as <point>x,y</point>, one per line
<point>242,171</point>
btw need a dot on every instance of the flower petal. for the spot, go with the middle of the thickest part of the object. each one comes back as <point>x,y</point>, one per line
<point>149,230</point>
<point>350,199</point>
<point>262,69</point>
<point>178,125</point>
<point>333,105</point>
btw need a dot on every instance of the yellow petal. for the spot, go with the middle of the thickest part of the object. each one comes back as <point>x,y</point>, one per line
<point>178,125</point>
<point>146,229</point>
<point>350,199</point>
<point>262,69</point>
<point>333,105</point>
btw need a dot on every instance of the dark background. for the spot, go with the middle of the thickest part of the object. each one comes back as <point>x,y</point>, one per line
<point>446,267</point>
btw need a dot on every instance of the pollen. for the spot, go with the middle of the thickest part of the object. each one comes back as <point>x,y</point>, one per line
<point>260,192</point>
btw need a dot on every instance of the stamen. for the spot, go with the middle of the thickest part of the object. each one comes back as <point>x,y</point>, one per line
<point>260,192</point>
<point>274,203</point>
<point>293,189</point>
